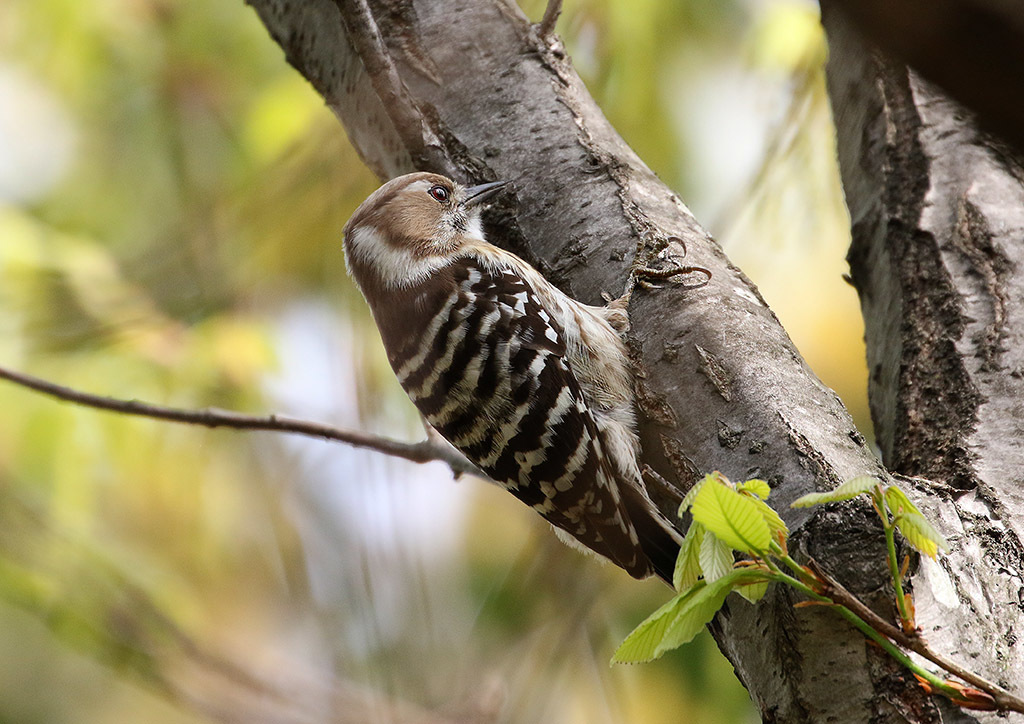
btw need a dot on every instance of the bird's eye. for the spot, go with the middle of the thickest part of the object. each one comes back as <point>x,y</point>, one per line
<point>438,193</point>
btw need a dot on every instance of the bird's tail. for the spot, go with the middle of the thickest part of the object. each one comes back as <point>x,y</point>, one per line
<point>659,539</point>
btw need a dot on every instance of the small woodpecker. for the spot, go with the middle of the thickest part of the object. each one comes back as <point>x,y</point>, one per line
<point>530,385</point>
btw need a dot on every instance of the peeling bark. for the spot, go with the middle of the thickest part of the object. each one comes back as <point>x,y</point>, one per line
<point>720,385</point>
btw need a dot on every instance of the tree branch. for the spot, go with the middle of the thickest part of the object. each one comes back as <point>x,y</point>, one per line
<point>405,115</point>
<point>719,384</point>
<point>547,23</point>
<point>514,108</point>
<point>913,641</point>
<point>428,450</point>
<point>936,259</point>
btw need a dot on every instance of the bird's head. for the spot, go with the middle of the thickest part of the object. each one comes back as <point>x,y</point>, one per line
<point>412,226</point>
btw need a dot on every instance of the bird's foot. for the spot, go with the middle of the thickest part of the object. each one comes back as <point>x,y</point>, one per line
<point>616,311</point>
<point>653,251</point>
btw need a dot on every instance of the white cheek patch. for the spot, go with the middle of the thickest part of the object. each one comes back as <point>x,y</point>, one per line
<point>396,267</point>
<point>474,229</point>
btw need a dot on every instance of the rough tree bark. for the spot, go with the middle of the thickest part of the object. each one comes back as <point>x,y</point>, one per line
<point>938,218</point>
<point>471,89</point>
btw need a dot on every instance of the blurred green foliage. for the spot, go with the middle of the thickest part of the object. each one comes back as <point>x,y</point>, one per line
<point>189,254</point>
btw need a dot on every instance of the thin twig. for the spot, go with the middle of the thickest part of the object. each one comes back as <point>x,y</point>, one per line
<point>913,642</point>
<point>835,590</point>
<point>387,83</point>
<point>547,23</point>
<point>418,452</point>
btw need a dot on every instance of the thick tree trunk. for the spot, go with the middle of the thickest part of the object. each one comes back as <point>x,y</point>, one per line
<point>468,88</point>
<point>938,225</point>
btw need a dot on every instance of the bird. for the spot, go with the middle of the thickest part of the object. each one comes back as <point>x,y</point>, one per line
<point>532,386</point>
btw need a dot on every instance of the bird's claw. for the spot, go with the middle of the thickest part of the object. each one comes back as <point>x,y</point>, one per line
<point>647,276</point>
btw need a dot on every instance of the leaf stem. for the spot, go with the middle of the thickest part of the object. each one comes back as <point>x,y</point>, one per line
<point>888,646</point>
<point>800,571</point>
<point>894,565</point>
<point>914,642</point>
<point>897,579</point>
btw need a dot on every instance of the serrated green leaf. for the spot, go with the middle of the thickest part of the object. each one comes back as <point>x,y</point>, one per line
<point>758,491</point>
<point>758,487</point>
<point>734,518</point>
<point>644,643</point>
<point>911,522</point>
<point>848,490</point>
<point>898,502</point>
<point>699,609</point>
<point>688,561</point>
<point>692,493</point>
<point>919,533</point>
<point>753,592</point>
<point>679,620</point>
<point>715,557</point>
<point>775,523</point>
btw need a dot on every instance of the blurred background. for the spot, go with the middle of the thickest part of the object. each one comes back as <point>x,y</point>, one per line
<point>171,202</point>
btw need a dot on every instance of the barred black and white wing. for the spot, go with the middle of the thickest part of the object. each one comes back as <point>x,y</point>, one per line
<point>486,365</point>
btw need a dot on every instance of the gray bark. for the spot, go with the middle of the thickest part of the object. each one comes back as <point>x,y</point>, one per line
<point>472,91</point>
<point>938,217</point>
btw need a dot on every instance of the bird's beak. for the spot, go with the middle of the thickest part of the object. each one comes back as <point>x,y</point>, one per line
<point>478,194</point>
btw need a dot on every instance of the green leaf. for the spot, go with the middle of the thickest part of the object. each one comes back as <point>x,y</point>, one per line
<point>733,517</point>
<point>758,491</point>
<point>911,522</point>
<point>645,643</point>
<point>758,487</point>
<point>775,523</point>
<point>692,493</point>
<point>753,592</point>
<point>679,620</point>
<point>715,557</point>
<point>898,502</point>
<point>698,609</point>
<point>688,561</point>
<point>920,534</point>
<point>848,490</point>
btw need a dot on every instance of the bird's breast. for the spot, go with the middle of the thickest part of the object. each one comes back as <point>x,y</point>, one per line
<point>485,364</point>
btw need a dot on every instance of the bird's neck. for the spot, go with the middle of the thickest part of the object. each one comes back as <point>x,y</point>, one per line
<point>375,262</point>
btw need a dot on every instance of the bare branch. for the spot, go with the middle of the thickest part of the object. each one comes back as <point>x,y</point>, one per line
<point>401,109</point>
<point>433,448</point>
<point>547,23</point>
